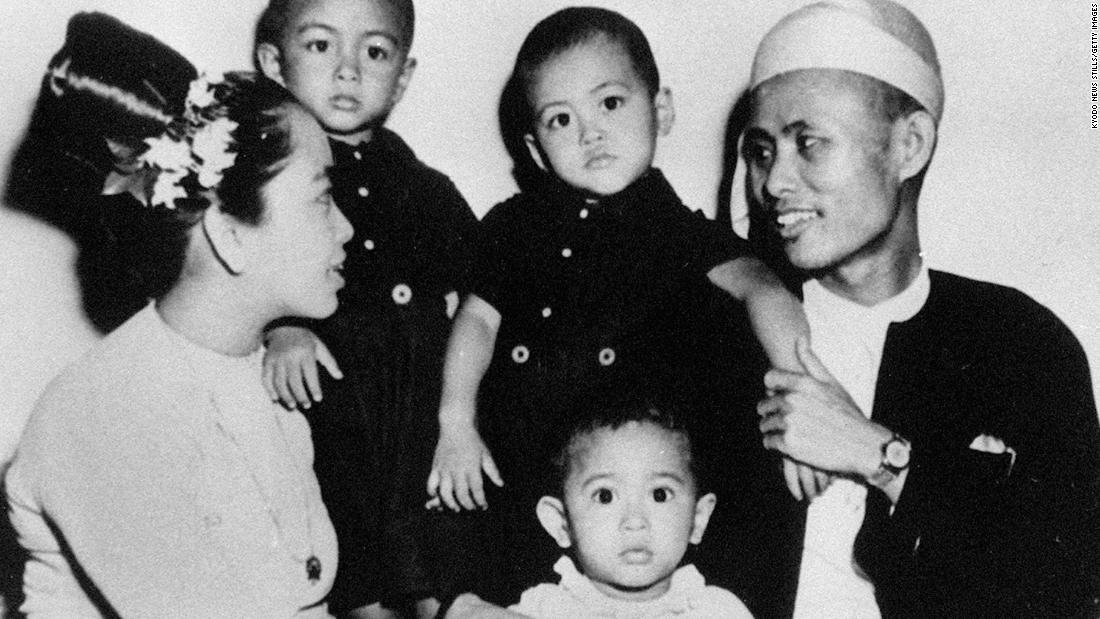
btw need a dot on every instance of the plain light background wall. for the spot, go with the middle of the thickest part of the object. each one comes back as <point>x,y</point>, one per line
<point>1011,196</point>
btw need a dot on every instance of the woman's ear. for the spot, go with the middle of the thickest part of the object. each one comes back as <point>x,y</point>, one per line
<point>536,152</point>
<point>551,513</point>
<point>704,507</point>
<point>913,140</point>
<point>223,234</point>
<point>666,112</point>
<point>271,62</point>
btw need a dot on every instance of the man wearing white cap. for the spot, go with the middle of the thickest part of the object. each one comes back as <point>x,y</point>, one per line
<point>945,428</point>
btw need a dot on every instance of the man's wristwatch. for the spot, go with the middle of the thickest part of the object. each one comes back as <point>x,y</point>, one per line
<point>895,459</point>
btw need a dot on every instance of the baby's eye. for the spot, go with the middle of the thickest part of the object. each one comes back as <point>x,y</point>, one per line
<point>603,495</point>
<point>558,121</point>
<point>317,46</point>
<point>612,103</point>
<point>662,495</point>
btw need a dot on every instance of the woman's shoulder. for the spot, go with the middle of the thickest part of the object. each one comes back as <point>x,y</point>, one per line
<point>124,377</point>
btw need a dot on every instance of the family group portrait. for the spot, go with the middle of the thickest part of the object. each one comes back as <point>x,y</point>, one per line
<point>429,309</point>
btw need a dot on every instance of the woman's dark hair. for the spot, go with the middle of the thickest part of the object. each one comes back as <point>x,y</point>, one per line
<point>553,35</point>
<point>112,86</point>
<point>262,141</point>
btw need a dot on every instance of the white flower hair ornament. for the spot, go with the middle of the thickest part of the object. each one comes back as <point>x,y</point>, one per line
<point>192,153</point>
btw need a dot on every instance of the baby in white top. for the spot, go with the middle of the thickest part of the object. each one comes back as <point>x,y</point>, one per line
<point>627,508</point>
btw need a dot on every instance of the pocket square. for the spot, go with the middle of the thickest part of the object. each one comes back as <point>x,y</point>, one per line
<point>987,443</point>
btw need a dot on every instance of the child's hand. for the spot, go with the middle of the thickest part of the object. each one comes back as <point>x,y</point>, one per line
<point>804,481</point>
<point>290,366</point>
<point>455,480</point>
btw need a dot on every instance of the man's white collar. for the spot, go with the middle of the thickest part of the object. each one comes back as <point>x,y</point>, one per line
<point>898,308</point>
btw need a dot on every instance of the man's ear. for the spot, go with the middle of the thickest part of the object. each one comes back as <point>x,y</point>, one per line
<point>666,113</point>
<point>403,80</point>
<point>270,60</point>
<point>551,513</point>
<point>536,152</point>
<point>224,236</point>
<point>704,507</point>
<point>913,140</point>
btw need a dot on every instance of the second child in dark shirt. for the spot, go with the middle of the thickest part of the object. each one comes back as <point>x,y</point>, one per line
<point>584,285</point>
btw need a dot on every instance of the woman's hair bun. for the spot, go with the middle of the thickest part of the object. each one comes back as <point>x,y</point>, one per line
<point>108,81</point>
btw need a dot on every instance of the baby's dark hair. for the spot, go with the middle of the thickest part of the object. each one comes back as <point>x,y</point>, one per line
<point>612,413</point>
<point>111,87</point>
<point>272,25</point>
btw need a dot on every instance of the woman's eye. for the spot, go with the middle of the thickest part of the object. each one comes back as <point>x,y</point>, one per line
<point>558,121</point>
<point>612,103</point>
<point>319,47</point>
<point>604,496</point>
<point>662,494</point>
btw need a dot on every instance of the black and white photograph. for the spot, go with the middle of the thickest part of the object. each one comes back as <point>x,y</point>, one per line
<point>391,309</point>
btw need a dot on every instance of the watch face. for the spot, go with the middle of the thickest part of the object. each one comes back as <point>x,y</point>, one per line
<point>897,453</point>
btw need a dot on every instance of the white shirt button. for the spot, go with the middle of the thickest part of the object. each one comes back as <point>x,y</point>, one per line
<point>607,356</point>
<point>362,191</point>
<point>584,213</point>
<point>369,244</point>
<point>520,354</point>
<point>402,294</point>
<point>566,252</point>
<point>358,155</point>
<point>546,312</point>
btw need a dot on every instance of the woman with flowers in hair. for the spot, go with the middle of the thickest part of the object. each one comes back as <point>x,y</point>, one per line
<point>155,477</point>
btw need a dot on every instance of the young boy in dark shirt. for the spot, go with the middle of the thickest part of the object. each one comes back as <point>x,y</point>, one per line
<point>348,62</point>
<point>584,281</point>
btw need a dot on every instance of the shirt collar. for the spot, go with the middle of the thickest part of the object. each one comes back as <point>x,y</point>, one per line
<point>649,188</point>
<point>687,585</point>
<point>343,152</point>
<point>899,308</point>
<point>232,381</point>
<point>383,146</point>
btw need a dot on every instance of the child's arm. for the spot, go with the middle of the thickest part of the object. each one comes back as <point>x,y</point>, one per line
<point>460,454</point>
<point>290,366</point>
<point>776,316</point>
<point>777,320</point>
